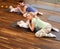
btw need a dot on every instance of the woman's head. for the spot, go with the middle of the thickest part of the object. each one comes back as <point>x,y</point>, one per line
<point>21,3</point>
<point>30,15</point>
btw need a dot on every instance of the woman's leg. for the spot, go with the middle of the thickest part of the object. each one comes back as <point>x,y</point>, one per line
<point>38,13</point>
<point>55,29</point>
<point>45,32</point>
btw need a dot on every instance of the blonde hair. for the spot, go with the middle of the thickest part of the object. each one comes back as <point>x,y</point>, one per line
<point>31,13</point>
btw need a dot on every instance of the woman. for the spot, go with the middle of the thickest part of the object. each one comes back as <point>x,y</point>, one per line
<point>36,22</point>
<point>23,8</point>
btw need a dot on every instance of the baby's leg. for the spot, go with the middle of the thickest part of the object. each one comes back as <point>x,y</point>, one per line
<point>12,9</point>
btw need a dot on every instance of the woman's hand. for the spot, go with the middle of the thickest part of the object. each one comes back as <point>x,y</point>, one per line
<point>31,25</point>
<point>27,22</point>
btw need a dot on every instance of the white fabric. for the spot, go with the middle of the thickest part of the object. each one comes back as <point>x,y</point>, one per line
<point>22,24</point>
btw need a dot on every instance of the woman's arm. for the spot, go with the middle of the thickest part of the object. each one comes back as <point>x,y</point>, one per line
<point>22,11</point>
<point>31,26</point>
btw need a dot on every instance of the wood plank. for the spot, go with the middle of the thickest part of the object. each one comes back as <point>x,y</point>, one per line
<point>19,38</point>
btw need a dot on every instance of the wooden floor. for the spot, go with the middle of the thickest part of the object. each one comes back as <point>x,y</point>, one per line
<point>18,38</point>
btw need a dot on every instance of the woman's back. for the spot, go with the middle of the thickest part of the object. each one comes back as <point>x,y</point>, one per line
<point>39,23</point>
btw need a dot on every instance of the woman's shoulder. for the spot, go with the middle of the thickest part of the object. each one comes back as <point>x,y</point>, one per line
<point>37,17</point>
<point>34,19</point>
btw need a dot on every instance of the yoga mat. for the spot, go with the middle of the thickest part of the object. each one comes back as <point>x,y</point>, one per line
<point>57,35</point>
<point>52,31</point>
<point>46,7</point>
<point>54,18</point>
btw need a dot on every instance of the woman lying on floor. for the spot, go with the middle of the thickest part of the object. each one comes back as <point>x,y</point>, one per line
<point>35,22</point>
<point>23,8</point>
